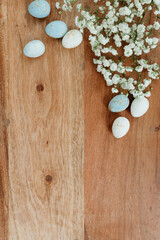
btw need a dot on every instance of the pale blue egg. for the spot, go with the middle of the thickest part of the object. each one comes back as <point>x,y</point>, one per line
<point>56,29</point>
<point>119,103</point>
<point>39,9</point>
<point>34,49</point>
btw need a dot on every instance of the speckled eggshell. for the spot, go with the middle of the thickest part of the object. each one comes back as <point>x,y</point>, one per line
<point>120,127</point>
<point>139,107</point>
<point>56,29</point>
<point>72,39</point>
<point>119,103</point>
<point>39,9</point>
<point>34,49</point>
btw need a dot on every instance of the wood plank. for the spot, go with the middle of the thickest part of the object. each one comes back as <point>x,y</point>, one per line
<point>44,104</point>
<point>122,177</point>
<point>4,122</point>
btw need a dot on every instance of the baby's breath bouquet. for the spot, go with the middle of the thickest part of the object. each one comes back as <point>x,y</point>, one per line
<point>121,38</point>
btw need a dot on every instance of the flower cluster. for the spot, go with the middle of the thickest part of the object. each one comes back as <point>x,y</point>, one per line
<point>120,37</point>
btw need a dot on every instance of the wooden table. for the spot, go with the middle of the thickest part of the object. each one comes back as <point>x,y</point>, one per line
<point>54,120</point>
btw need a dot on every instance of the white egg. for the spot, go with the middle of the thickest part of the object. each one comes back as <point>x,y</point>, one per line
<point>139,107</point>
<point>72,39</point>
<point>120,127</point>
<point>34,49</point>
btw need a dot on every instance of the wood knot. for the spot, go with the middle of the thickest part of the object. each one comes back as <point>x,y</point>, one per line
<point>48,178</point>
<point>155,129</point>
<point>40,87</point>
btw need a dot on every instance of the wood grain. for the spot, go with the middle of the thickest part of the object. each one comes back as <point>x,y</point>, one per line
<point>122,176</point>
<point>43,102</point>
<point>50,108</point>
<point>4,196</point>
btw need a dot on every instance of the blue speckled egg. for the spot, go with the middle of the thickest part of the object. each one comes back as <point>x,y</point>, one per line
<point>119,103</point>
<point>39,9</point>
<point>56,29</point>
<point>34,49</point>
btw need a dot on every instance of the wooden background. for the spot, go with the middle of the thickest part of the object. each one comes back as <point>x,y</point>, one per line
<point>53,118</point>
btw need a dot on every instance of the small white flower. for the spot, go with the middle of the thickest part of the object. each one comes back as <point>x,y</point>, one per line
<point>149,40</point>
<point>58,5</point>
<point>137,51</point>
<point>129,69</point>
<point>139,69</point>
<point>115,79</point>
<point>147,94</point>
<point>79,7</point>
<point>115,90</point>
<point>155,40</point>
<point>113,67</point>
<point>128,51</point>
<point>124,11</point>
<point>105,50</point>
<point>147,82</point>
<point>141,28</point>
<point>106,63</point>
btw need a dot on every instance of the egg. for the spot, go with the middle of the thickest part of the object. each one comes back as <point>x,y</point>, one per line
<point>72,39</point>
<point>139,107</point>
<point>56,29</point>
<point>34,49</point>
<point>119,103</point>
<point>39,9</point>
<point>120,127</point>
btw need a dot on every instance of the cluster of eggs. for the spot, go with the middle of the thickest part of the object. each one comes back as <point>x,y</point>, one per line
<point>55,29</point>
<point>119,103</point>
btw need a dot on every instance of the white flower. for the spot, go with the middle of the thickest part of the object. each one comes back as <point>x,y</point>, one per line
<point>124,11</point>
<point>114,29</point>
<point>113,51</point>
<point>113,67</point>
<point>153,74</point>
<point>115,90</point>
<point>124,85</point>
<point>115,79</point>
<point>99,68</point>
<point>105,50</point>
<point>156,66</point>
<point>79,7</point>
<point>129,69</point>
<point>103,40</point>
<point>139,69</point>
<point>106,63</point>
<point>141,87</point>
<point>118,43</point>
<point>64,7</point>
<point>58,5</point>
<point>125,37</point>
<point>123,27</point>
<point>120,68</point>
<point>130,86</point>
<point>108,3</point>
<point>147,94</point>
<point>147,82</point>
<point>128,51</point>
<point>97,52</point>
<point>146,1</point>
<point>137,51</point>
<point>155,40</point>
<point>141,28</point>
<point>149,40</point>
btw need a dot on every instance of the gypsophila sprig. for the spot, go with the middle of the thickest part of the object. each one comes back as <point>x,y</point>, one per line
<point>120,35</point>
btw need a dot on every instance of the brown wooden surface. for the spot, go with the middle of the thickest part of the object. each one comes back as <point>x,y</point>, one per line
<point>51,108</point>
<point>122,176</point>
<point>41,131</point>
